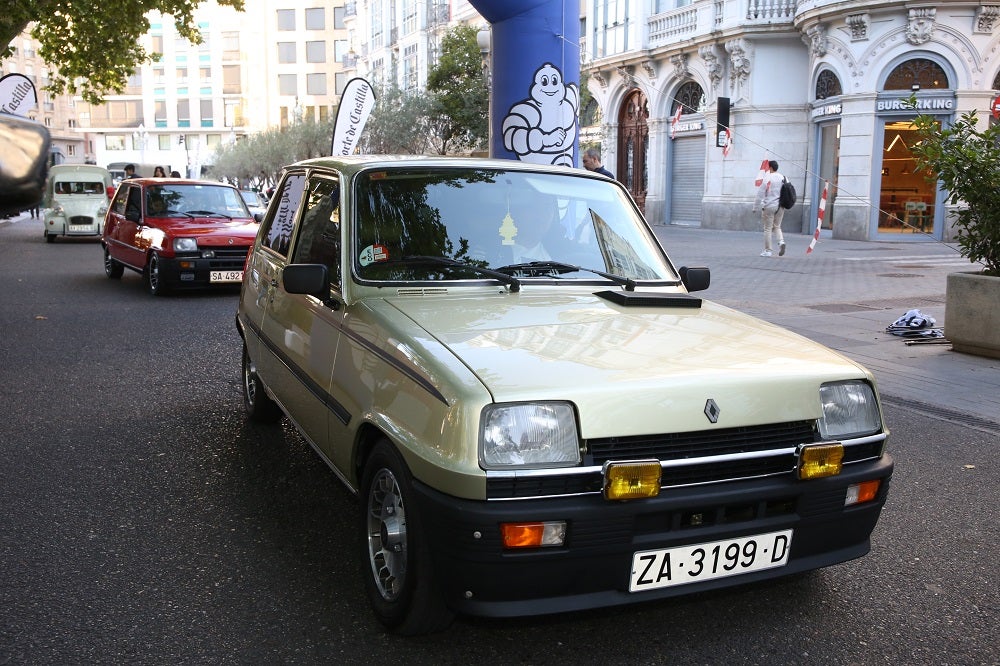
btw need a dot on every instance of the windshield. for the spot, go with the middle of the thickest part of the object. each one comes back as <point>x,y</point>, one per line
<point>529,225</point>
<point>195,200</point>
<point>79,187</point>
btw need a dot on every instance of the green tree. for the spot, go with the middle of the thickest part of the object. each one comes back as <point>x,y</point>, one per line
<point>270,151</point>
<point>93,45</point>
<point>460,99</point>
<point>399,123</point>
<point>963,158</point>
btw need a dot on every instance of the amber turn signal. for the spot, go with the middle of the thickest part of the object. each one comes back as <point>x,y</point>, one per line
<point>533,535</point>
<point>858,493</point>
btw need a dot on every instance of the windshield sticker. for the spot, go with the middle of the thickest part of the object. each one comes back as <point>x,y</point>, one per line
<point>373,254</point>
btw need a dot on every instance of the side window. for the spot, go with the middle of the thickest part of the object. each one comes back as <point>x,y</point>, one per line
<point>121,196</point>
<point>318,241</point>
<point>134,204</point>
<point>277,233</point>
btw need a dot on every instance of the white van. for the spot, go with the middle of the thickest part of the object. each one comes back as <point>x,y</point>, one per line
<point>76,200</point>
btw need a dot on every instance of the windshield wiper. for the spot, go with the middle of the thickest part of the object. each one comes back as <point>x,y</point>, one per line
<point>208,213</point>
<point>509,280</point>
<point>560,267</point>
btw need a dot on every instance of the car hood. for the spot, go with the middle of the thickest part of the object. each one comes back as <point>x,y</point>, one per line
<point>629,369</point>
<point>81,204</point>
<point>210,231</point>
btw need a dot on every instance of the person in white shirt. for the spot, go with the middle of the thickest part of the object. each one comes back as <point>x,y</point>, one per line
<point>771,213</point>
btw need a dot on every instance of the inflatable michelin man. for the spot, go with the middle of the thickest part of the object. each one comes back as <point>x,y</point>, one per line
<point>542,129</point>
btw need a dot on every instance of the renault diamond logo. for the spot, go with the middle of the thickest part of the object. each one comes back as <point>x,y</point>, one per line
<point>230,241</point>
<point>712,411</point>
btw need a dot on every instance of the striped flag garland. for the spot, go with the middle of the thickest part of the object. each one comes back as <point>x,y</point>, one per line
<point>676,119</point>
<point>729,143</point>
<point>821,211</point>
<point>763,171</point>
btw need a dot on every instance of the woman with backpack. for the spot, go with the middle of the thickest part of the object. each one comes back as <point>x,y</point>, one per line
<point>767,200</point>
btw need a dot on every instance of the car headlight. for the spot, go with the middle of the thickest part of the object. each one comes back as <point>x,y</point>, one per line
<point>58,210</point>
<point>185,245</point>
<point>539,434</point>
<point>849,410</point>
<point>102,211</point>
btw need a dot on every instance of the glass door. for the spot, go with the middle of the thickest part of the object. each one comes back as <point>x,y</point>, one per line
<point>906,198</point>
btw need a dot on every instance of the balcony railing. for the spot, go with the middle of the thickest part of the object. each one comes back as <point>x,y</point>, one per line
<point>703,17</point>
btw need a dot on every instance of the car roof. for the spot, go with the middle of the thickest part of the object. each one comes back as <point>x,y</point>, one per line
<point>356,163</point>
<point>147,181</point>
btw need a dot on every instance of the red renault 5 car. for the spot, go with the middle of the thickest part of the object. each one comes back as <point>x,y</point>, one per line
<point>177,233</point>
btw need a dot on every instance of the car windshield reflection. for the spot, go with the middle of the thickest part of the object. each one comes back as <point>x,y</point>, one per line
<point>529,225</point>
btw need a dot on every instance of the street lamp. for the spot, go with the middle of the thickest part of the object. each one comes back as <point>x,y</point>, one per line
<point>139,137</point>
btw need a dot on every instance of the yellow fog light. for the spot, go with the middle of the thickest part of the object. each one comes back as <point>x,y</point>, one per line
<point>631,480</point>
<point>819,460</point>
<point>533,535</point>
<point>186,264</point>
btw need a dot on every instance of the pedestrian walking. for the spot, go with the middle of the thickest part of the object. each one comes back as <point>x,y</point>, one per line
<point>771,214</point>
<point>592,162</point>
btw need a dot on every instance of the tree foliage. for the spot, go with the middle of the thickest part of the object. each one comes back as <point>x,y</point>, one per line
<point>963,158</point>
<point>268,152</point>
<point>93,46</point>
<point>459,113</point>
<point>399,123</point>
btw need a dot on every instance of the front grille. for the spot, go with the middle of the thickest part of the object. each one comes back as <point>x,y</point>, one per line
<point>680,446</point>
<point>780,438</point>
<point>230,258</point>
<point>81,219</point>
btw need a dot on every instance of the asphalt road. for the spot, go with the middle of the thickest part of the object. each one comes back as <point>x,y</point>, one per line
<point>142,521</point>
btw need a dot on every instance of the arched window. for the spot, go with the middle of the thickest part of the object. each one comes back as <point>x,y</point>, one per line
<point>691,96</point>
<point>996,82</point>
<point>921,72</point>
<point>828,85</point>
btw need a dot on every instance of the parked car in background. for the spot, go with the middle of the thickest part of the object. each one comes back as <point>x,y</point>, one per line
<point>76,200</point>
<point>256,202</point>
<point>535,412</point>
<point>179,234</point>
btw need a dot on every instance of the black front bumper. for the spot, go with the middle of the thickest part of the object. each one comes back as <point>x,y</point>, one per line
<point>194,272</point>
<point>478,577</point>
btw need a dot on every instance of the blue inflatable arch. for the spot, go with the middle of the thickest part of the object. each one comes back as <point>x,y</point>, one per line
<point>535,52</point>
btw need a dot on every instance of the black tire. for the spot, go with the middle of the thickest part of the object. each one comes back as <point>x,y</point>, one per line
<point>154,280</point>
<point>50,238</point>
<point>395,552</point>
<point>258,404</point>
<point>112,268</point>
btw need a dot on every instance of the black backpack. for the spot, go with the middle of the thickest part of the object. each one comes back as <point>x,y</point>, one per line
<point>786,198</point>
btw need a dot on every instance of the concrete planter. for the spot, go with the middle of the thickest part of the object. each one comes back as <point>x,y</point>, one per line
<point>972,313</point>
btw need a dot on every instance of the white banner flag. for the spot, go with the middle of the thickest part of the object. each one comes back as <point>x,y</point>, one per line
<point>17,95</point>
<point>355,106</point>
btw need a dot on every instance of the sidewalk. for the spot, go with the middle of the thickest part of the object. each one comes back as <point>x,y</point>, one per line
<point>843,295</point>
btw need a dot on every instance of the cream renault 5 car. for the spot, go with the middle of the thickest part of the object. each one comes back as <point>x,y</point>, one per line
<point>535,412</point>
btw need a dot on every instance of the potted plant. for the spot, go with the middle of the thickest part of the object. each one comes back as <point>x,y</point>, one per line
<point>965,159</point>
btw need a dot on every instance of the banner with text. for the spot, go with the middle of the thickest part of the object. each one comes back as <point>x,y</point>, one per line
<point>356,105</point>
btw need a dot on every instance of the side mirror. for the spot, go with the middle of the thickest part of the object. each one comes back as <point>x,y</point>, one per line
<point>25,163</point>
<point>310,279</point>
<point>259,217</point>
<point>110,191</point>
<point>696,278</point>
